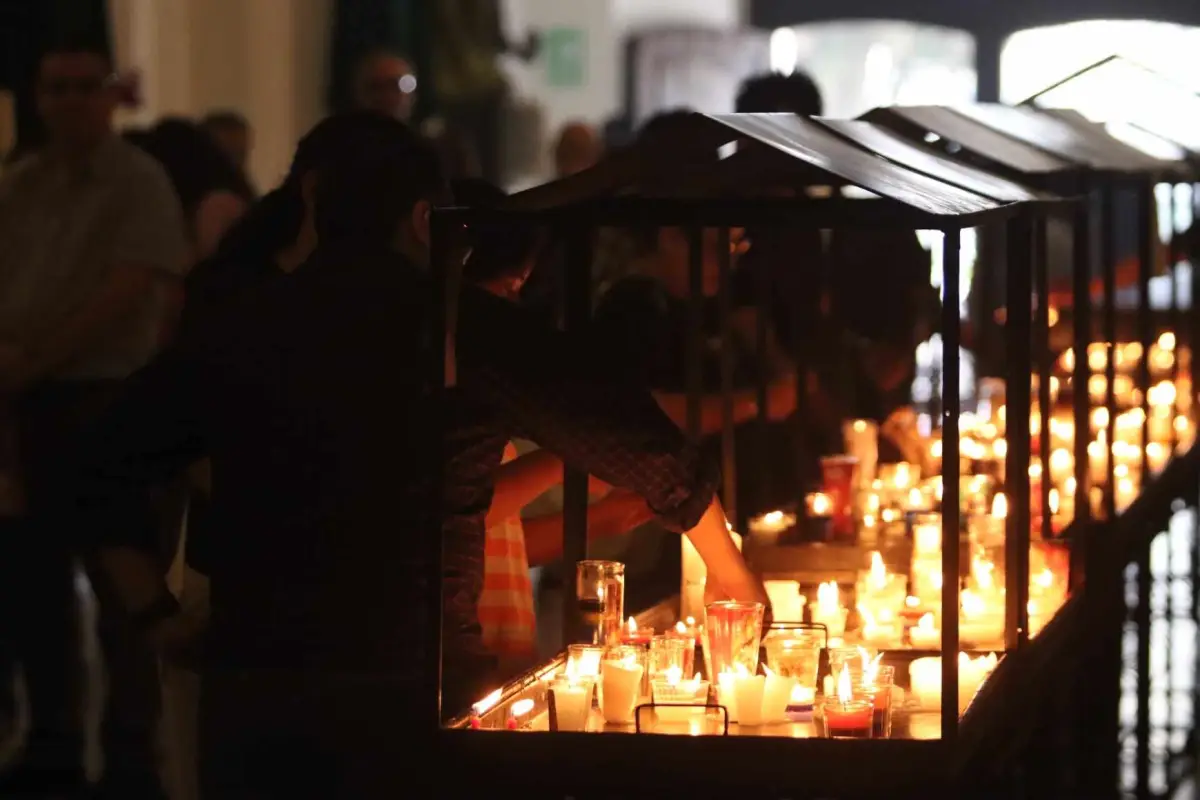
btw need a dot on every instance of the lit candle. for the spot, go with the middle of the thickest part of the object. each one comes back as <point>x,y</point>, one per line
<point>926,679</point>
<point>777,695</point>
<point>672,689</point>
<point>846,717</point>
<point>828,610</point>
<point>773,522</point>
<point>787,604</point>
<point>635,635</point>
<point>572,704</point>
<point>619,685</point>
<point>925,636</point>
<point>748,692</point>
<point>727,689</point>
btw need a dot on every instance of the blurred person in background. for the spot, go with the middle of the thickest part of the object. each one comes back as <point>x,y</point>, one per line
<point>816,281</point>
<point>213,189</point>
<point>317,652</point>
<point>93,235</point>
<point>502,258</point>
<point>386,83</point>
<point>233,134</point>
<point>578,148</point>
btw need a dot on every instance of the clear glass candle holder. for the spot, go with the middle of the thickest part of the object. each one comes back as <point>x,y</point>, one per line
<point>877,688</point>
<point>732,634</point>
<point>600,592</point>
<point>671,654</point>
<point>583,660</point>
<point>848,719</point>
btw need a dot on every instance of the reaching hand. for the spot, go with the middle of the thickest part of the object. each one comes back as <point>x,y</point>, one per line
<point>781,398</point>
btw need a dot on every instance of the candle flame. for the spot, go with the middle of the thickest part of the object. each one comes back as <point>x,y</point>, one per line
<point>487,703</point>
<point>859,425</point>
<point>1045,578</point>
<point>925,623</point>
<point>521,707</point>
<point>691,622</point>
<point>828,601</point>
<point>1054,501</point>
<point>878,576</point>
<point>821,504</point>
<point>915,498</point>
<point>773,517</point>
<point>1000,448</point>
<point>972,604</point>
<point>631,625</point>
<point>912,602</point>
<point>673,675</point>
<point>844,691</point>
<point>871,669</point>
<point>983,571</point>
<point>1167,341</point>
<point>1000,506</point>
<point>680,627</point>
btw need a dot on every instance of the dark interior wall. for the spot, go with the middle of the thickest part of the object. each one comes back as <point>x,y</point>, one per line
<point>989,21</point>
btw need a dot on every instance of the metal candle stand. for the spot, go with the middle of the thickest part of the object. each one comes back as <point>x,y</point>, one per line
<point>916,186</point>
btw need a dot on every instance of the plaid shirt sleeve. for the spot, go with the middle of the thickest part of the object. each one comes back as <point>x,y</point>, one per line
<point>549,388</point>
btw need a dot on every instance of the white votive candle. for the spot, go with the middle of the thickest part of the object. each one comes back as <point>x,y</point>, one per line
<point>777,694</point>
<point>748,691</point>
<point>572,704</point>
<point>620,683</point>
<point>727,694</point>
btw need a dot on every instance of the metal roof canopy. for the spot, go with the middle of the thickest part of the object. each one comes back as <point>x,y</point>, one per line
<point>773,151</point>
<point>957,133</point>
<point>1139,92</point>
<point>1084,144</point>
<point>895,147</point>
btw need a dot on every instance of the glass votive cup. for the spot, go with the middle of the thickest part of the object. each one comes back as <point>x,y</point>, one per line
<point>795,654</point>
<point>732,633</point>
<point>679,702</point>
<point>572,703</point>
<point>583,660</point>
<point>852,659</point>
<point>879,692</point>
<point>600,593</point>
<point>670,652</point>
<point>852,719</point>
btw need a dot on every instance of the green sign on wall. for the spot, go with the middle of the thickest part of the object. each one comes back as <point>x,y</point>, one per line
<point>565,54</point>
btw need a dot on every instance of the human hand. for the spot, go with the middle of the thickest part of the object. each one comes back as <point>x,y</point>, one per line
<point>781,398</point>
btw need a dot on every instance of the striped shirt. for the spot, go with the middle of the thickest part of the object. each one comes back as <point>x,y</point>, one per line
<point>506,603</point>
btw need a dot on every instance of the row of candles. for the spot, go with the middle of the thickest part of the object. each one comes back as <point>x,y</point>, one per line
<point>857,700</point>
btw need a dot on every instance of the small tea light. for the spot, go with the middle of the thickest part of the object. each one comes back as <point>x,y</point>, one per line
<point>671,689</point>
<point>819,505</point>
<point>632,634</point>
<point>846,717</point>
<point>800,704</point>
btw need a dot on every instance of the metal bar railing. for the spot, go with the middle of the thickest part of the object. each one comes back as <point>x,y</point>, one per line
<point>951,408</point>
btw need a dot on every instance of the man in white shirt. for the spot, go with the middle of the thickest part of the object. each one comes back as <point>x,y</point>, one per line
<point>91,235</point>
